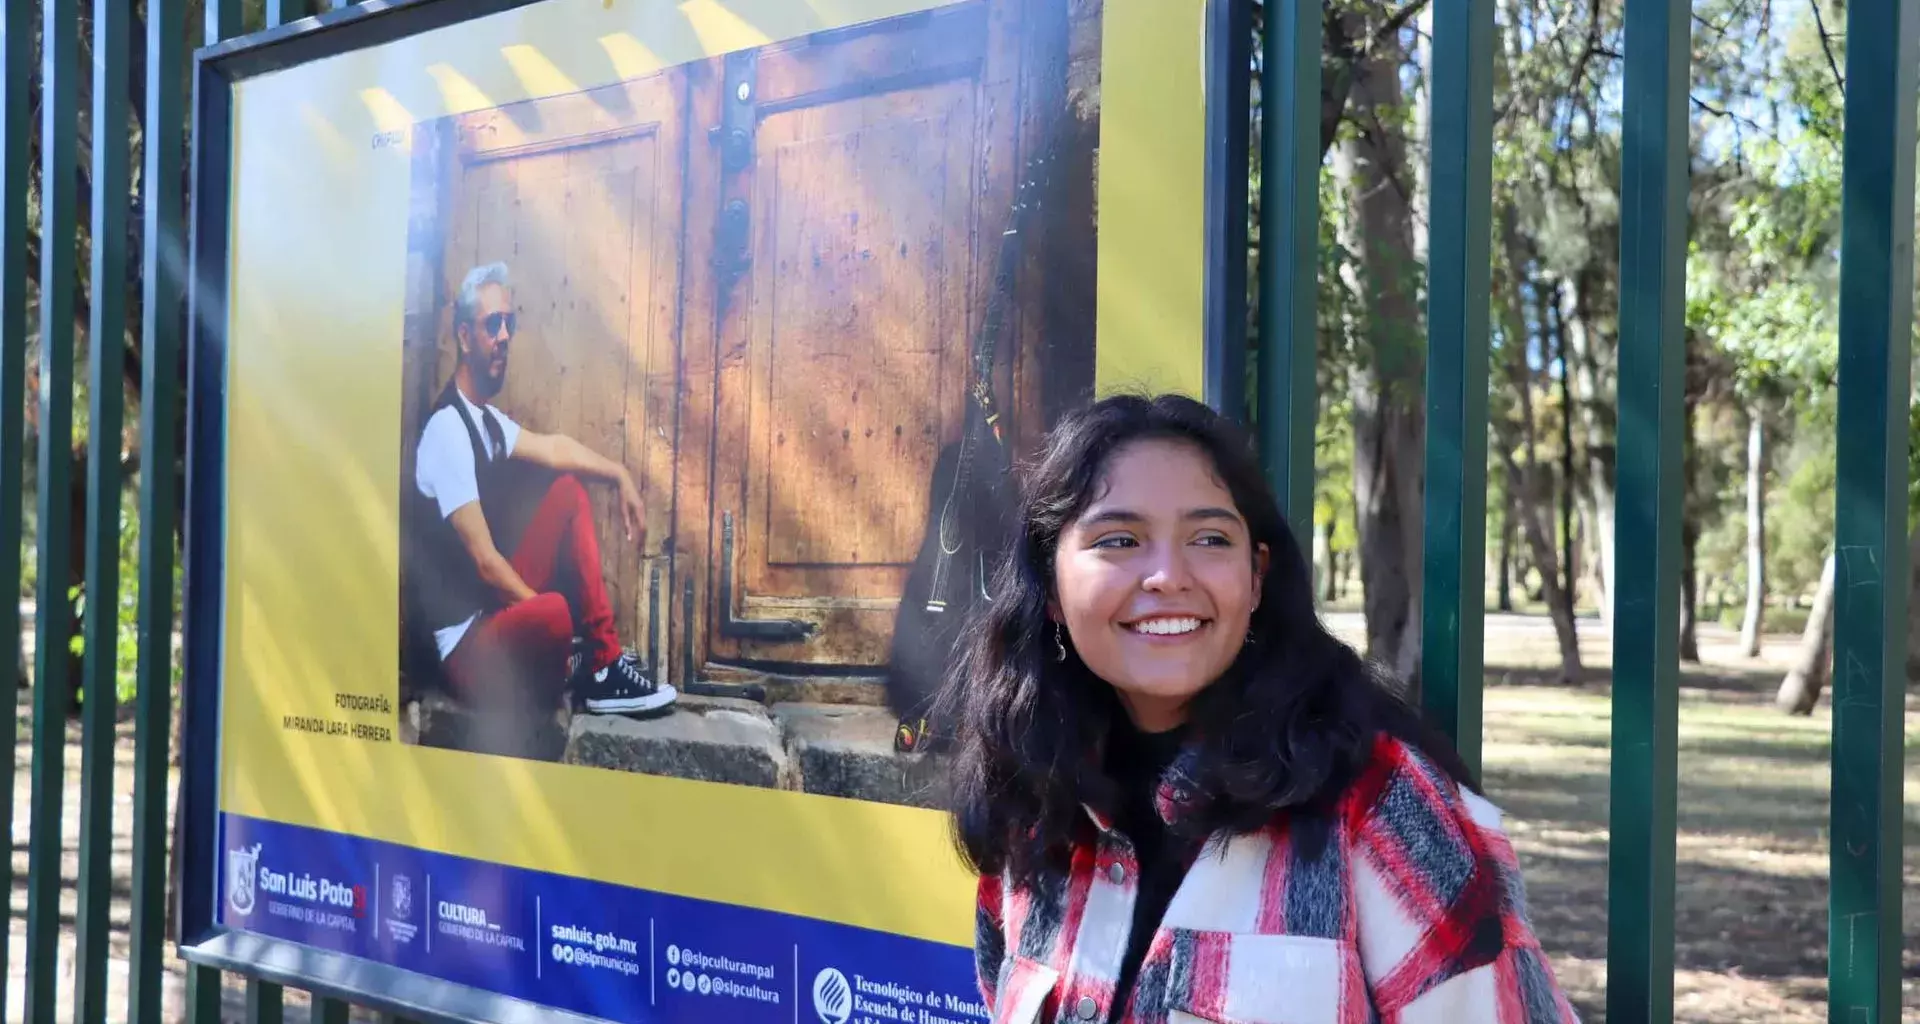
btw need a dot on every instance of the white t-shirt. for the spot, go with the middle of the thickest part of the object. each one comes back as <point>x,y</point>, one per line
<point>444,471</point>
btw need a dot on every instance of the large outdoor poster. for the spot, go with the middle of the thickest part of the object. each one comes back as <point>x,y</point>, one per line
<point>625,406</point>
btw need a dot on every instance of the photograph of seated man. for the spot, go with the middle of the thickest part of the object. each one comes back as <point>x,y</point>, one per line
<point>512,589</point>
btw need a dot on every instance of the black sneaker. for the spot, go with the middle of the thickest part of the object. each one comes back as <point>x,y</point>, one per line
<point>622,688</point>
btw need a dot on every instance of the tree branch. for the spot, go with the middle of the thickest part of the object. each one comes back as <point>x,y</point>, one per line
<point>1398,21</point>
<point>1336,75</point>
<point>1826,45</point>
<point>1739,119</point>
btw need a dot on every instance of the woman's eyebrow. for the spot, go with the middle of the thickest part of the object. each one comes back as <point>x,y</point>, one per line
<point>1129,516</point>
<point>1112,515</point>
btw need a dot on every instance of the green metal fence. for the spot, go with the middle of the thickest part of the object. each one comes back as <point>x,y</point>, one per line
<point>1875,341</point>
<point>1875,332</point>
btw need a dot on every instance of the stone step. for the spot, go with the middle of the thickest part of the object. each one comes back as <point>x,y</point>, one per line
<point>847,751</point>
<point>827,749</point>
<point>708,739</point>
<point>830,749</point>
<point>438,720</point>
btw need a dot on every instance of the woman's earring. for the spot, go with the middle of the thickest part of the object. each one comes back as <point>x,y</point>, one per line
<point>1059,643</point>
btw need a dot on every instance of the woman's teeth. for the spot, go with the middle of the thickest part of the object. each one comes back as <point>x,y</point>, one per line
<point>1166,627</point>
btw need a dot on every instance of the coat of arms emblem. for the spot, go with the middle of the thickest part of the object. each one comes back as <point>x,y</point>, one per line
<point>243,869</point>
<point>402,897</point>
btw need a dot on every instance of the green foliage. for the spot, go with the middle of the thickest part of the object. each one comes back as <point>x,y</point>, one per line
<point>126,605</point>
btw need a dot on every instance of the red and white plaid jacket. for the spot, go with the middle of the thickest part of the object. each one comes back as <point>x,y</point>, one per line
<point>1413,912</point>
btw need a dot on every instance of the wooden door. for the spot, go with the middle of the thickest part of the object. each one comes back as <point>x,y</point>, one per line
<point>580,196</point>
<point>864,176</point>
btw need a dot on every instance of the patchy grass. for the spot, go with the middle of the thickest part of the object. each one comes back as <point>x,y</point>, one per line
<point>1752,862</point>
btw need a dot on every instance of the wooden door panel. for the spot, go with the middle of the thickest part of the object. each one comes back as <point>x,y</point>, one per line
<point>881,164</point>
<point>865,208</point>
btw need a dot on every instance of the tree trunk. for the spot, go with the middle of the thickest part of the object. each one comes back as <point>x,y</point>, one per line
<point>1689,546</point>
<point>1554,335</point>
<point>1913,607</point>
<point>1388,378</point>
<point>1756,534</point>
<point>1568,562</point>
<point>1590,559</point>
<point>1323,561</point>
<point>1689,595</point>
<point>1585,342</point>
<point>1800,690</point>
<point>1505,593</point>
<point>1531,502</point>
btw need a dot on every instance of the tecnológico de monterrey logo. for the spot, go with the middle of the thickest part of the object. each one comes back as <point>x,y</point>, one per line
<point>832,997</point>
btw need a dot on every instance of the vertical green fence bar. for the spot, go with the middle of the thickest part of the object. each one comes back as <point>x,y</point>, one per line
<point>279,12</point>
<point>52,619</point>
<point>203,996</point>
<point>16,71</point>
<point>1289,254</point>
<point>222,22</point>
<point>264,1000</point>
<point>1870,513</point>
<point>1229,89</point>
<point>106,331</point>
<point>1454,579</point>
<point>1646,625</point>
<point>163,307</point>
<point>329,1011</point>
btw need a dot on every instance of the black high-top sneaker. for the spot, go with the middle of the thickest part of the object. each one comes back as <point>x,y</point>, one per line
<point>622,688</point>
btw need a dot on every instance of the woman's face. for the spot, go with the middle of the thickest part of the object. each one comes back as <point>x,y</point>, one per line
<point>1157,579</point>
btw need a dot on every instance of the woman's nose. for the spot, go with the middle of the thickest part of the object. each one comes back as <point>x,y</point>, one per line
<point>1167,569</point>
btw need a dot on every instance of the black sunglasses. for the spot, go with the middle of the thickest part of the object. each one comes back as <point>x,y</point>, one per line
<point>493,323</point>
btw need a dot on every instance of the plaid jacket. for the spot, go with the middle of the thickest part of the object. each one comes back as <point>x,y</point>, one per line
<point>1413,912</point>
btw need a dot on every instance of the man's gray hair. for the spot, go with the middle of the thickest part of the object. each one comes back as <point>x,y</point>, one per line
<point>467,302</point>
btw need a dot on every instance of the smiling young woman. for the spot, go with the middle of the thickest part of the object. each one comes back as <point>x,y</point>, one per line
<point>1186,799</point>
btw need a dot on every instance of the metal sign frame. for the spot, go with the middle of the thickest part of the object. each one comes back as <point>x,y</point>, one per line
<point>218,69</point>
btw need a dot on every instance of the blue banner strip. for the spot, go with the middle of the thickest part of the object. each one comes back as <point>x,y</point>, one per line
<point>610,951</point>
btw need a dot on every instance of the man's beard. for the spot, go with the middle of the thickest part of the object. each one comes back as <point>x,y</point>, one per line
<point>485,380</point>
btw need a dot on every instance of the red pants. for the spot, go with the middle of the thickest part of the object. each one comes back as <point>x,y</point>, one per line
<point>519,653</point>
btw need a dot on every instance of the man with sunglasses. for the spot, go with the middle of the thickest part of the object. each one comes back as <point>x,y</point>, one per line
<point>515,599</point>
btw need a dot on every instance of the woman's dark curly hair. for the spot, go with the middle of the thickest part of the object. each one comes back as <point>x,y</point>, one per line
<point>1287,726</point>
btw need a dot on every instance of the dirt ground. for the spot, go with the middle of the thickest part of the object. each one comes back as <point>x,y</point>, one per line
<point>1750,916</point>
<point>1751,909</point>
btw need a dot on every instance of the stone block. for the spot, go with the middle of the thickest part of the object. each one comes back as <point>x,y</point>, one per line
<point>847,751</point>
<point>707,739</point>
<point>438,720</point>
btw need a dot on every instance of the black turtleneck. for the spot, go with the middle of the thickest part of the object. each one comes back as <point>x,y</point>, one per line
<point>1136,761</point>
